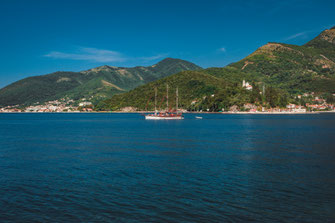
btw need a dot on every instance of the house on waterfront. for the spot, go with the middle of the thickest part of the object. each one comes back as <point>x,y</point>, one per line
<point>296,108</point>
<point>299,109</point>
<point>85,103</point>
<point>291,106</point>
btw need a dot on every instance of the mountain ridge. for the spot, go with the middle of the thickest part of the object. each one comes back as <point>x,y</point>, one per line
<point>284,70</point>
<point>92,84</point>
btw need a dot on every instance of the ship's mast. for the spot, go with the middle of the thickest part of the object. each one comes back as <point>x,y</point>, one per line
<point>177,99</point>
<point>167,97</point>
<point>155,100</point>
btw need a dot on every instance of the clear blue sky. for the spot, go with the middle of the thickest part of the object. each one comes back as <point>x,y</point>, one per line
<point>39,37</point>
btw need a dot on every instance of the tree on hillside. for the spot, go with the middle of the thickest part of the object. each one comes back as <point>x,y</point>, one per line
<point>271,96</point>
<point>255,95</point>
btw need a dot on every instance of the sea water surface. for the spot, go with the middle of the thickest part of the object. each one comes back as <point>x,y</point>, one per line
<point>122,168</point>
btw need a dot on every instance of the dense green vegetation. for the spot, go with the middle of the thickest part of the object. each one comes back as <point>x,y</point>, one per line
<point>295,69</point>
<point>292,68</point>
<point>95,84</point>
<point>198,90</point>
<point>39,88</point>
<point>285,71</point>
<point>191,84</point>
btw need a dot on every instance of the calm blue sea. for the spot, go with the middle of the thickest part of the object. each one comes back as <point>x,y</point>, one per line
<point>122,168</point>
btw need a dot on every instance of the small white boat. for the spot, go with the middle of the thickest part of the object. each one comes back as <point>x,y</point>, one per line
<point>198,117</point>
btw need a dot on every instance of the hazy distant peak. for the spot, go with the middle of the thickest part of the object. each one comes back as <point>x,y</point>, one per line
<point>269,49</point>
<point>106,67</point>
<point>172,62</point>
<point>168,60</point>
<point>101,68</point>
<point>328,35</point>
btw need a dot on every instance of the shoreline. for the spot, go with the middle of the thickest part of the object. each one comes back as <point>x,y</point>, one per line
<point>148,112</point>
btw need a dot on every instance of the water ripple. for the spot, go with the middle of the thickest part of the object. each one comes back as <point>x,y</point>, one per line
<point>121,168</point>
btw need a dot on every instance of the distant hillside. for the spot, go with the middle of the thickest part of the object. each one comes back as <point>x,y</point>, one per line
<point>325,43</point>
<point>94,84</point>
<point>192,85</point>
<point>283,69</point>
<point>198,90</point>
<point>296,69</point>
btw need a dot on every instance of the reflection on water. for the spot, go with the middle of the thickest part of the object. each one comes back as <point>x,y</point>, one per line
<point>120,167</point>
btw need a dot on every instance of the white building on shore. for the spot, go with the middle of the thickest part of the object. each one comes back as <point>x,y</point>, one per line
<point>246,85</point>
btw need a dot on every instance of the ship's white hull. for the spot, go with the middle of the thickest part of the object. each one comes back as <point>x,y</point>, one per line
<point>154,117</point>
<point>167,114</point>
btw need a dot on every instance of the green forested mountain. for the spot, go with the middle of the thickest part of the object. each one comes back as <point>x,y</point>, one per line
<point>198,90</point>
<point>296,69</point>
<point>94,84</point>
<point>324,43</point>
<point>283,69</point>
<point>192,85</point>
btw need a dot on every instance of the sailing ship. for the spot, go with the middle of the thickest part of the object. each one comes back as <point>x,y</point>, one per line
<point>167,114</point>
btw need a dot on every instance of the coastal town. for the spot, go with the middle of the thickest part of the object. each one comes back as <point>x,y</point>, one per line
<point>64,105</point>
